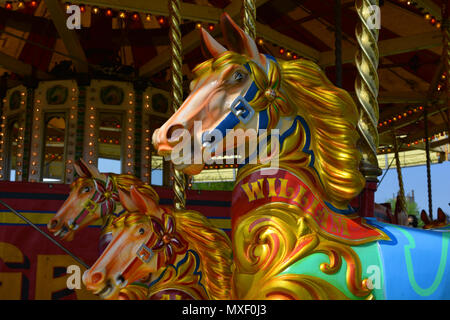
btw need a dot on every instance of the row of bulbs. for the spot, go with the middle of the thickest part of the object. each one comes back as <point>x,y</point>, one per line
<point>416,142</point>
<point>433,21</point>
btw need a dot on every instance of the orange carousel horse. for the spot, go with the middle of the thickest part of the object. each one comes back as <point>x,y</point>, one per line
<point>94,196</point>
<point>181,253</point>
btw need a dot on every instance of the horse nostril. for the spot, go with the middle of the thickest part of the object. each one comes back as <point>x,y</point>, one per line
<point>97,277</point>
<point>53,223</point>
<point>174,132</point>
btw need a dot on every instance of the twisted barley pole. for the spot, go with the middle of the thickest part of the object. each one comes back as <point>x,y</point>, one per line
<point>366,85</point>
<point>250,18</point>
<point>179,185</point>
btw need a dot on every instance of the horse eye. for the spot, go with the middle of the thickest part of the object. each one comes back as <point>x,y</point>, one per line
<point>238,76</point>
<point>141,231</point>
<point>86,189</point>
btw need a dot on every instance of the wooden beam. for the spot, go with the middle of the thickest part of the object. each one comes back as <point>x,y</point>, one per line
<point>189,41</point>
<point>12,64</point>
<point>69,37</point>
<point>286,42</point>
<point>388,47</point>
<point>188,11</point>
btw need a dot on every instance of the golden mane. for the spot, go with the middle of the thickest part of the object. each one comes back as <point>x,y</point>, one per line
<point>214,248</point>
<point>332,116</point>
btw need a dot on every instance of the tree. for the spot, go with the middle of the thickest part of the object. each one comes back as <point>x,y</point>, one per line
<point>411,208</point>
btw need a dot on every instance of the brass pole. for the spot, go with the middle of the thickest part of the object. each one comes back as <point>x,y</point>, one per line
<point>250,18</point>
<point>179,185</point>
<point>366,86</point>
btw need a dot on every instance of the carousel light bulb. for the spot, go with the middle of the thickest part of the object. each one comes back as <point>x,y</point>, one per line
<point>161,20</point>
<point>427,16</point>
<point>260,41</point>
<point>8,5</point>
<point>433,20</point>
<point>135,16</point>
<point>122,15</point>
<point>211,27</point>
<point>198,25</point>
<point>95,10</point>
<point>82,8</point>
<point>148,17</point>
<point>33,4</point>
<point>108,13</point>
<point>438,25</point>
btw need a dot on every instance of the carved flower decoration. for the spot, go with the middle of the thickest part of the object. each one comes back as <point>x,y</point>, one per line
<point>169,243</point>
<point>107,195</point>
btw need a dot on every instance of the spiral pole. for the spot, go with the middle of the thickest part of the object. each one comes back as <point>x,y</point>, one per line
<point>250,18</point>
<point>366,86</point>
<point>402,198</point>
<point>179,185</point>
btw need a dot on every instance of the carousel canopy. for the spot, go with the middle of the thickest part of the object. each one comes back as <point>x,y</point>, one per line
<point>128,40</point>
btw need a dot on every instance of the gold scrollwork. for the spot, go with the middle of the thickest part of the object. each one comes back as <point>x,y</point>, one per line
<point>274,237</point>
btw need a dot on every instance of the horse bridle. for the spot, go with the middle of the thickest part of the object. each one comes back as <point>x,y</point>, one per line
<point>240,111</point>
<point>105,196</point>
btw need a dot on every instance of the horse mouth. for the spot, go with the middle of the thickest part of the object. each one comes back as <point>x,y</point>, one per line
<point>63,233</point>
<point>107,291</point>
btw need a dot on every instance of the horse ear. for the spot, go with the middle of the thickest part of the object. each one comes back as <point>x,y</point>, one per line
<point>441,215</point>
<point>424,217</point>
<point>126,201</point>
<point>143,203</point>
<point>211,44</point>
<point>91,171</point>
<point>236,39</point>
<point>81,169</point>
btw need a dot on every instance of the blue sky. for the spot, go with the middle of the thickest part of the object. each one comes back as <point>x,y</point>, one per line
<point>416,178</point>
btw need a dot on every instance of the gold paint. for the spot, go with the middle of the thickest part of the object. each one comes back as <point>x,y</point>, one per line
<point>281,235</point>
<point>256,189</point>
<point>284,189</point>
<point>272,191</point>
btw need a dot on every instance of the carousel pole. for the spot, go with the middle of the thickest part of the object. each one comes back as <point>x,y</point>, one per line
<point>179,185</point>
<point>427,148</point>
<point>249,19</point>
<point>366,87</point>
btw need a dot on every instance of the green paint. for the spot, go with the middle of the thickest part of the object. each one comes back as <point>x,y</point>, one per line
<point>409,266</point>
<point>369,256</point>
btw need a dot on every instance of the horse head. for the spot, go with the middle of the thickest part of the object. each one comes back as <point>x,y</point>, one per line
<point>241,98</point>
<point>144,240</point>
<point>440,222</point>
<point>93,196</point>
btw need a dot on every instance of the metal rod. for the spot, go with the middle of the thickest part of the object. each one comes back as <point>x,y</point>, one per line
<point>427,148</point>
<point>45,235</point>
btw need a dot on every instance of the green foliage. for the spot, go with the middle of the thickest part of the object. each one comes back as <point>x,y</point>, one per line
<point>222,186</point>
<point>411,208</point>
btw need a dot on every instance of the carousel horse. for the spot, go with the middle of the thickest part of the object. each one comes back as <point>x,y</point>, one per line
<point>186,257</point>
<point>439,223</point>
<point>294,235</point>
<point>94,196</point>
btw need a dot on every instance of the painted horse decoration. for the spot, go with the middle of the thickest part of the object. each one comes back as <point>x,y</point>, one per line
<point>94,196</point>
<point>181,253</point>
<point>294,235</point>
